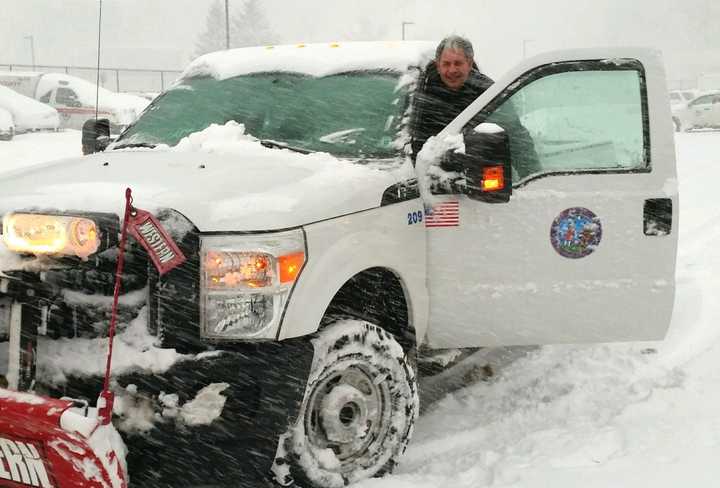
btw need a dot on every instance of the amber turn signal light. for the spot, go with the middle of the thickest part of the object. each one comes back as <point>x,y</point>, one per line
<point>493,178</point>
<point>290,266</point>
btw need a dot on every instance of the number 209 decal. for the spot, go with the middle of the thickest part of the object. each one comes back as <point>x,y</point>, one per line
<point>414,217</point>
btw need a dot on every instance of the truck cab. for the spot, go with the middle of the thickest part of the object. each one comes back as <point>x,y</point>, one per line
<point>320,259</point>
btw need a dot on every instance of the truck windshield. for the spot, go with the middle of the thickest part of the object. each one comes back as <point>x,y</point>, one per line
<point>354,115</point>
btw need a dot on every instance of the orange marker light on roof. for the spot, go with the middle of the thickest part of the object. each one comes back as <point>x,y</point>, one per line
<point>334,44</point>
<point>493,178</point>
<point>290,266</point>
<point>300,45</point>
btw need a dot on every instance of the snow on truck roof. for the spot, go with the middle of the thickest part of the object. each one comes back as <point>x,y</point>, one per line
<point>313,59</point>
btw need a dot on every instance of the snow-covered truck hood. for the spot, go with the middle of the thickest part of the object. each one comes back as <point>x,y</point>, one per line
<point>243,187</point>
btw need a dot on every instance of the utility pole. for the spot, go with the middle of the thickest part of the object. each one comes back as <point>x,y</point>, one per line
<point>32,49</point>
<point>403,28</point>
<point>227,25</point>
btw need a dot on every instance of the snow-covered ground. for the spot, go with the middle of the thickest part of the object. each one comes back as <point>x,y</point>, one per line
<point>563,416</point>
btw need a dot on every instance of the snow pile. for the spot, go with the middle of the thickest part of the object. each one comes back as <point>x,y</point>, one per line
<point>313,59</point>
<point>224,139</point>
<point>138,413</point>
<point>27,150</point>
<point>206,406</point>
<point>133,350</point>
<point>553,409</point>
<point>427,165</point>
<point>20,397</point>
<point>27,113</point>
<point>10,260</point>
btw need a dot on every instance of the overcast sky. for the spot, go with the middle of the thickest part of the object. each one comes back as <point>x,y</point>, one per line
<point>162,33</point>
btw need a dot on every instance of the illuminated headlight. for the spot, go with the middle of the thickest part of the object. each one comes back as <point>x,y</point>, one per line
<point>246,281</point>
<point>50,234</point>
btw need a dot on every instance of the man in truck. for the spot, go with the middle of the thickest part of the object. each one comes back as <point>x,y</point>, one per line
<point>451,82</point>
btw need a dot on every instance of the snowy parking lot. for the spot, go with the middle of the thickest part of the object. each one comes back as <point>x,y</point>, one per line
<point>560,416</point>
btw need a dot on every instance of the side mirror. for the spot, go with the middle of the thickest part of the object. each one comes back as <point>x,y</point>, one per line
<point>485,164</point>
<point>95,135</point>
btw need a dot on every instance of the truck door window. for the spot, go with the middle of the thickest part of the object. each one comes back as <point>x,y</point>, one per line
<point>66,96</point>
<point>46,98</point>
<point>576,117</point>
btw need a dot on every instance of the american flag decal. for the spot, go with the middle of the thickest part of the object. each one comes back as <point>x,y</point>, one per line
<point>445,214</point>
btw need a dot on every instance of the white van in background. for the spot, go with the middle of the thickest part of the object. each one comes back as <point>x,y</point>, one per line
<point>28,114</point>
<point>74,98</point>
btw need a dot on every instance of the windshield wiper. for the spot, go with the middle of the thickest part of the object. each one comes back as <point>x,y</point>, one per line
<point>281,145</point>
<point>135,144</point>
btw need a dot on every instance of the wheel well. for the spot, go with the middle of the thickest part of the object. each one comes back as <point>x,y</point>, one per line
<point>375,295</point>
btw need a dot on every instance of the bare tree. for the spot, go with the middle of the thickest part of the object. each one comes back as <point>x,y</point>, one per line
<point>213,37</point>
<point>252,27</point>
<point>248,27</point>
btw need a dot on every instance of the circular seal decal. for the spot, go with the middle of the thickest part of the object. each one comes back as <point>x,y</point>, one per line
<point>576,232</point>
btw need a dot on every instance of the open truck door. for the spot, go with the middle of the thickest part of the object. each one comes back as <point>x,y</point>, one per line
<point>583,250</point>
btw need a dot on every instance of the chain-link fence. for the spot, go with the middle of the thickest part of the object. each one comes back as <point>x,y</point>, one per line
<point>116,79</point>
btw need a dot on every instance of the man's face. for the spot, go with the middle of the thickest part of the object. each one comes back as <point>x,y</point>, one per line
<point>454,68</point>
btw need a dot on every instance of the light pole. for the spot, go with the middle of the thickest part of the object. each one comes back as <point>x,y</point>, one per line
<point>227,25</point>
<point>403,28</point>
<point>32,49</point>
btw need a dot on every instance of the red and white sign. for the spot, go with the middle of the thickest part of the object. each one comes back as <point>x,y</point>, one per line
<point>161,248</point>
<point>22,465</point>
<point>445,214</point>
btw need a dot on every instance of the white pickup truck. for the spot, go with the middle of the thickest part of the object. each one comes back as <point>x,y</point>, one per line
<point>316,272</point>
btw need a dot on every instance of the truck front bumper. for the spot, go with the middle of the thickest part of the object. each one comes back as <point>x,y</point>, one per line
<point>266,383</point>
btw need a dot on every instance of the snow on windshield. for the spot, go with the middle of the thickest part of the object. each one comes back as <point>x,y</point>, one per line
<point>356,115</point>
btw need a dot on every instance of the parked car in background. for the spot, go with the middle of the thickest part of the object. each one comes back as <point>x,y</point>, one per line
<point>74,98</point>
<point>700,113</point>
<point>680,98</point>
<point>7,126</point>
<point>28,114</point>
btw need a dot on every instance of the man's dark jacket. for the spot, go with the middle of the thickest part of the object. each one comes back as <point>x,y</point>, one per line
<point>436,105</point>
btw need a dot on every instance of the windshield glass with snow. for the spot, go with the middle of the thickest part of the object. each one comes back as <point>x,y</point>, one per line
<point>351,115</point>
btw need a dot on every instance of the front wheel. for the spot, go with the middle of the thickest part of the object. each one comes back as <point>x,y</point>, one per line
<point>358,411</point>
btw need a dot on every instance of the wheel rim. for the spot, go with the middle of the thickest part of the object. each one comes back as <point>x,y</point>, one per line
<point>348,412</point>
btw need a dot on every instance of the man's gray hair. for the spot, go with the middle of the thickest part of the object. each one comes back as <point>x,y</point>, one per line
<point>455,42</point>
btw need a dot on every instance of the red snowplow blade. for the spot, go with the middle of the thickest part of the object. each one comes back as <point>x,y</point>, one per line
<point>45,444</point>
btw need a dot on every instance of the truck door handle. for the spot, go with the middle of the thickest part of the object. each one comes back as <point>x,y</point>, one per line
<point>657,216</point>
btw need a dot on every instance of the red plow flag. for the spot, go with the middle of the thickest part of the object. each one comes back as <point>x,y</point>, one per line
<point>161,248</point>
